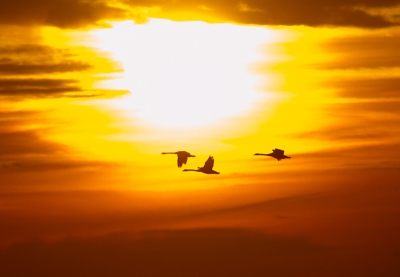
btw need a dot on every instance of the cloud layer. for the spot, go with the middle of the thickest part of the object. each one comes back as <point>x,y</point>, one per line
<point>78,13</point>
<point>202,252</point>
<point>287,12</point>
<point>36,70</point>
<point>59,13</point>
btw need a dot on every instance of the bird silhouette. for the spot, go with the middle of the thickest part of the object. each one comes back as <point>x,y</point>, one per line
<point>207,168</point>
<point>182,156</point>
<point>276,153</point>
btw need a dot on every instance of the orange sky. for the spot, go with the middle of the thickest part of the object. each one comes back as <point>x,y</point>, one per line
<point>91,93</point>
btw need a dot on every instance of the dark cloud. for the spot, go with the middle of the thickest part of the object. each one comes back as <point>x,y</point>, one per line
<point>29,59</point>
<point>376,50</point>
<point>361,122</point>
<point>286,12</point>
<point>196,252</point>
<point>374,107</point>
<point>25,143</point>
<point>56,88</point>
<point>10,118</point>
<point>43,165</point>
<point>23,148</point>
<point>378,156</point>
<point>29,49</point>
<point>23,63</point>
<point>368,88</point>
<point>199,252</point>
<point>362,202</point>
<point>10,67</point>
<point>17,89</point>
<point>28,159</point>
<point>37,87</point>
<point>59,13</point>
<point>79,13</point>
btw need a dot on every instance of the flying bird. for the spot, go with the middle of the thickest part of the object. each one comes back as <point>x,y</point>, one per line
<point>207,168</point>
<point>276,153</point>
<point>182,156</point>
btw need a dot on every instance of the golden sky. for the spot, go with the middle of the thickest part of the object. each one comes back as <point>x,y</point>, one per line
<point>92,92</point>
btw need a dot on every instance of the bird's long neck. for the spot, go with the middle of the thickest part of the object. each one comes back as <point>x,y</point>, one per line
<point>191,170</point>
<point>260,154</point>
<point>168,153</point>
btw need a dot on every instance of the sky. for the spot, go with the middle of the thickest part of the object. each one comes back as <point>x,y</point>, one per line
<point>92,92</point>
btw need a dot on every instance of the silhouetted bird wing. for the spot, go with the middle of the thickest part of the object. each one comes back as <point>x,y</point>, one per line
<point>208,165</point>
<point>182,159</point>
<point>278,151</point>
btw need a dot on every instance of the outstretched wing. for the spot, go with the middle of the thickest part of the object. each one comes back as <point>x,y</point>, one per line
<point>209,164</point>
<point>278,151</point>
<point>182,159</point>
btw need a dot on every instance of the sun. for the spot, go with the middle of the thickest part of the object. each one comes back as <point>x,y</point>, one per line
<point>184,74</point>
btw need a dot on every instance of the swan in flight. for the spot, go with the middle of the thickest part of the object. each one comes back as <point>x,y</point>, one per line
<point>207,168</point>
<point>276,153</point>
<point>182,156</point>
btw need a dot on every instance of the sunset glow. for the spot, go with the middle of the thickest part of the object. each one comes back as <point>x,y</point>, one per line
<point>116,116</point>
<point>185,74</point>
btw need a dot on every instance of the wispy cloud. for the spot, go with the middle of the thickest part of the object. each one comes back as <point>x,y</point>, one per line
<point>18,139</point>
<point>24,149</point>
<point>12,67</point>
<point>35,70</point>
<point>24,143</point>
<point>373,50</point>
<point>33,59</point>
<point>370,89</point>
<point>37,87</point>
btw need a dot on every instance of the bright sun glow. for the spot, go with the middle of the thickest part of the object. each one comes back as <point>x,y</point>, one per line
<point>184,74</point>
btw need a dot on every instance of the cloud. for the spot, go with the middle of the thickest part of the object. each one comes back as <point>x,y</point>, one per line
<point>369,156</point>
<point>79,13</point>
<point>368,89</point>
<point>17,89</point>
<point>59,13</point>
<point>373,50</point>
<point>25,143</point>
<point>30,59</point>
<point>30,161</point>
<point>19,140</point>
<point>23,66</point>
<point>198,252</point>
<point>371,107</point>
<point>10,67</point>
<point>23,148</point>
<point>37,87</point>
<point>310,233</point>
<point>362,123</point>
<point>30,49</point>
<point>286,12</point>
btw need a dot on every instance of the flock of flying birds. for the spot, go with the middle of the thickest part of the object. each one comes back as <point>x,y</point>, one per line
<point>209,164</point>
